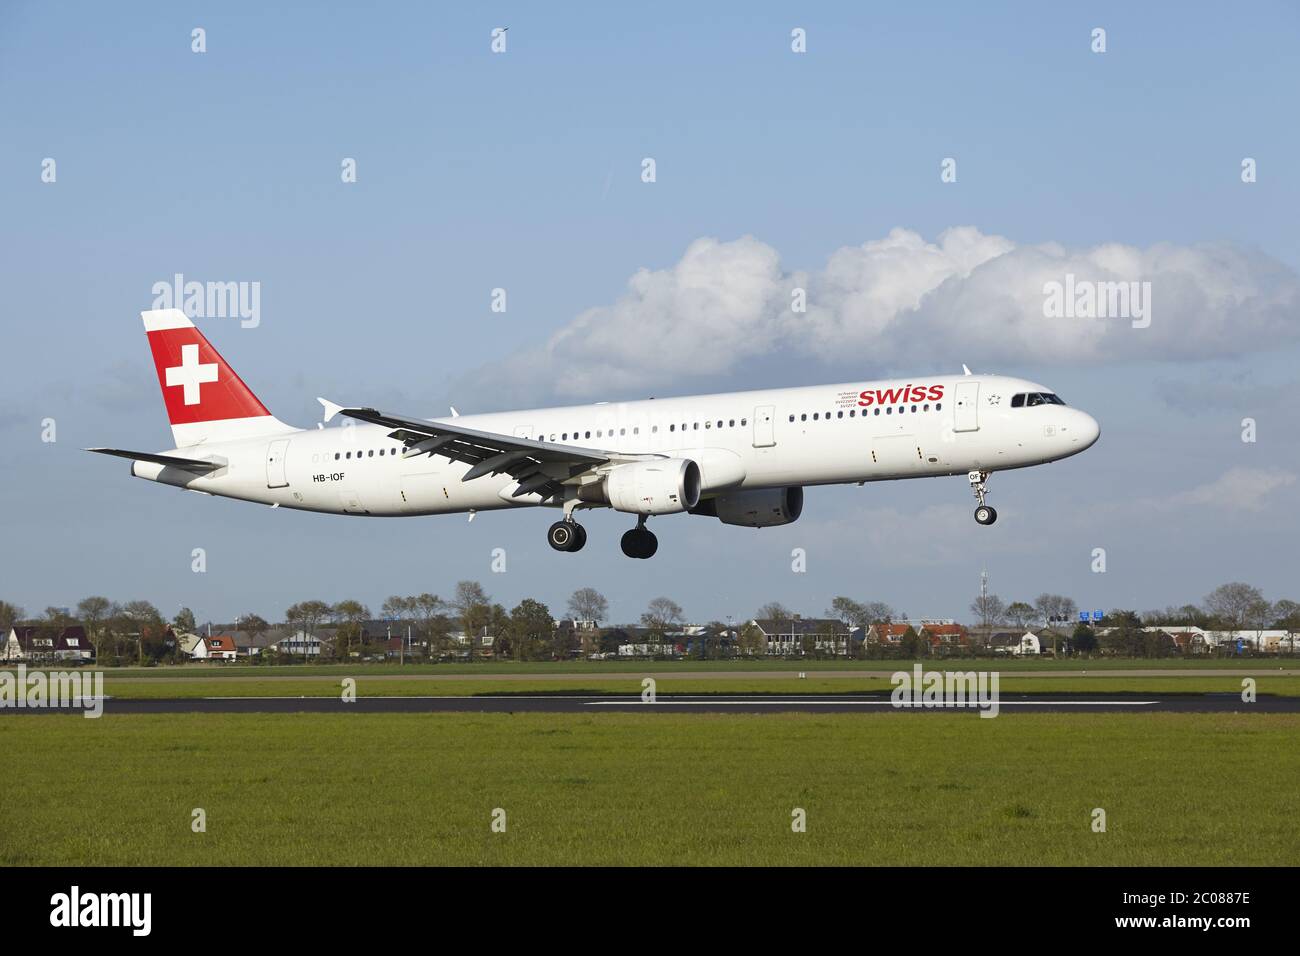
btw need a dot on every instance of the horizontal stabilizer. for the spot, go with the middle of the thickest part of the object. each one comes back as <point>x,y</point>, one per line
<point>170,461</point>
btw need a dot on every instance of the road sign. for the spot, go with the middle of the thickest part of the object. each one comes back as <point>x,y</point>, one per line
<point>1097,615</point>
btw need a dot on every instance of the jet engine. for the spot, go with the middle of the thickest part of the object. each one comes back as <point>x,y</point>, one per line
<point>659,487</point>
<point>761,508</point>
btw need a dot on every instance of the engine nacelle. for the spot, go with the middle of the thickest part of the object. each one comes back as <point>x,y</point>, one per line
<point>762,508</point>
<point>651,487</point>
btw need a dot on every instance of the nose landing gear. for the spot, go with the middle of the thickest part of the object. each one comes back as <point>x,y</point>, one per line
<point>640,542</point>
<point>984,514</point>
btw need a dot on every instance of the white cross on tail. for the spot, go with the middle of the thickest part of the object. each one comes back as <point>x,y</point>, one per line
<point>190,374</point>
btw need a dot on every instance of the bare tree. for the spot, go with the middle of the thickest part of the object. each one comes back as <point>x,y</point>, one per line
<point>474,609</point>
<point>775,611</point>
<point>989,610</point>
<point>93,612</point>
<point>661,616</point>
<point>10,614</point>
<point>1020,614</point>
<point>588,604</point>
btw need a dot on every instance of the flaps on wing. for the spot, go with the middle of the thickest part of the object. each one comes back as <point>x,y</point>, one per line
<point>541,467</point>
<point>193,465</point>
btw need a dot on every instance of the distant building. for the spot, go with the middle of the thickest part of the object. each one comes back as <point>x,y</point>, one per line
<point>1019,643</point>
<point>217,647</point>
<point>944,635</point>
<point>37,643</point>
<point>301,644</point>
<point>786,638</point>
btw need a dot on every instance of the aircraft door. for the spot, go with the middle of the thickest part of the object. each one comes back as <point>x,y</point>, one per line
<point>275,455</point>
<point>764,435</point>
<point>965,407</point>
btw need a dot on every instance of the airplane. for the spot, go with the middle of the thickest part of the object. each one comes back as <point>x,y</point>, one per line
<point>744,458</point>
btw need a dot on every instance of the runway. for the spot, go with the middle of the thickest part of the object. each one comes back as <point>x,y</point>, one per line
<point>683,704</point>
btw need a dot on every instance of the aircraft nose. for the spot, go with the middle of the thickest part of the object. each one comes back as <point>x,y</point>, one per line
<point>1085,429</point>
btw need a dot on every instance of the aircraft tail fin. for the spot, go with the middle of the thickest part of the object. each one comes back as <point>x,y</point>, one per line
<point>206,401</point>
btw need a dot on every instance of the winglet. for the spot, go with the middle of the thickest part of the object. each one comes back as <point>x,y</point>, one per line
<point>964,369</point>
<point>331,409</point>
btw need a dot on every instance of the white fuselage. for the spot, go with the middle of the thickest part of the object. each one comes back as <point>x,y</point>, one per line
<point>827,434</point>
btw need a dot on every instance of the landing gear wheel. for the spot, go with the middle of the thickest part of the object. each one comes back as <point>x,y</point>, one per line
<point>639,543</point>
<point>985,515</point>
<point>581,539</point>
<point>565,536</point>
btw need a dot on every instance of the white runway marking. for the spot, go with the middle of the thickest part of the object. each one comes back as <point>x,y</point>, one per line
<point>883,703</point>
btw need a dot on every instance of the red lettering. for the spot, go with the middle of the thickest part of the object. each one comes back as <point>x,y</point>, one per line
<point>936,393</point>
<point>865,399</point>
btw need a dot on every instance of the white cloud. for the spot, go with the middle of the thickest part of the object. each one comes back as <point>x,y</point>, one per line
<point>1238,489</point>
<point>967,297</point>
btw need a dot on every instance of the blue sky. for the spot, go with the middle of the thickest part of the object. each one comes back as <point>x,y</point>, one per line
<point>522,170</point>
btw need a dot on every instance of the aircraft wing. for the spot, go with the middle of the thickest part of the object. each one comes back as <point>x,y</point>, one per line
<point>540,467</point>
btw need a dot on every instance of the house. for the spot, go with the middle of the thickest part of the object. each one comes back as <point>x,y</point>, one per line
<point>887,633</point>
<point>788,637</point>
<point>186,642</point>
<point>13,649</point>
<point>634,641</point>
<point>943,634</point>
<point>215,647</point>
<point>1015,642</point>
<point>299,643</point>
<point>481,645</point>
<point>40,643</point>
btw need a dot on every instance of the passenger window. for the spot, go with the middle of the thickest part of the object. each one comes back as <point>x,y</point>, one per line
<point>349,454</point>
<point>697,426</point>
<point>733,423</point>
<point>672,428</point>
<point>925,407</point>
<point>719,424</point>
<point>839,414</point>
<point>938,405</point>
<point>913,408</point>
<point>742,421</point>
<point>336,456</point>
<point>791,418</point>
<point>588,434</point>
<point>877,412</point>
<point>803,417</point>
<point>815,414</point>
<point>708,424</point>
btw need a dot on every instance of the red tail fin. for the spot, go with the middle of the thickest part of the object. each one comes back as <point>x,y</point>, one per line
<point>206,401</point>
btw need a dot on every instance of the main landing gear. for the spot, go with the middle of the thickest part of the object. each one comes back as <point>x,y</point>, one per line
<point>640,542</point>
<point>566,535</point>
<point>983,514</point>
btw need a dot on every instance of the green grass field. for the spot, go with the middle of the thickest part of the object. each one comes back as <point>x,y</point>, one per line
<point>1005,664</point>
<point>417,686</point>
<point>879,789</point>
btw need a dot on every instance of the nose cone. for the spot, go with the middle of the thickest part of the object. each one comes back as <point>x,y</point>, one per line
<point>1084,430</point>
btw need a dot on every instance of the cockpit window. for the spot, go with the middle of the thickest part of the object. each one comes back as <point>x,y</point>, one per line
<point>1030,399</point>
